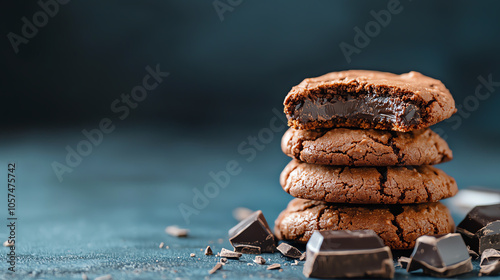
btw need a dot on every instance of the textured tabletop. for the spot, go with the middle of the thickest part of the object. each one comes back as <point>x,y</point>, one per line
<point>109,214</point>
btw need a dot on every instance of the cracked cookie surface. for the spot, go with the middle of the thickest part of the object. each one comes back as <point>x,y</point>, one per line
<point>367,185</point>
<point>359,147</point>
<point>398,225</point>
<point>368,99</point>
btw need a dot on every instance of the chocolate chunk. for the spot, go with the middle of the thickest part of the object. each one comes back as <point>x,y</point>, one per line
<point>215,268</point>
<point>247,249</point>
<point>440,256</point>
<point>274,266</point>
<point>253,231</point>
<point>289,251</point>
<point>259,260</point>
<point>347,254</point>
<point>208,251</point>
<point>225,253</point>
<point>490,262</point>
<point>481,228</point>
<point>223,260</point>
<point>176,231</point>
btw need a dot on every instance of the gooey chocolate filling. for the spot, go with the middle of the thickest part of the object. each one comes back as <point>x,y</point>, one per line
<point>372,108</point>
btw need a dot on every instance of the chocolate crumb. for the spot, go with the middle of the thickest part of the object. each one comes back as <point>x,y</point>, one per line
<point>296,262</point>
<point>208,251</point>
<point>192,255</point>
<point>241,213</point>
<point>176,231</point>
<point>249,264</point>
<point>215,268</point>
<point>161,245</point>
<point>274,266</point>
<point>281,270</point>
<point>8,244</point>
<point>223,260</point>
<point>259,260</point>
<point>229,254</point>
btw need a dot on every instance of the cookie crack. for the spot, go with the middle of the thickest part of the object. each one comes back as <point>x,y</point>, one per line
<point>395,211</point>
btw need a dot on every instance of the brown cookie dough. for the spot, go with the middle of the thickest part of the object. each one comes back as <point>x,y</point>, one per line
<point>359,147</point>
<point>368,99</point>
<point>398,225</point>
<point>367,185</point>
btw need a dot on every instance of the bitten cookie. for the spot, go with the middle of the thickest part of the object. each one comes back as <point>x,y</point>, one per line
<point>359,147</point>
<point>398,225</point>
<point>367,185</point>
<point>368,99</point>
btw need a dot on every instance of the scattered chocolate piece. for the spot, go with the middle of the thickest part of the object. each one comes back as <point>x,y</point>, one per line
<point>223,260</point>
<point>347,254</point>
<point>167,247</point>
<point>273,266</point>
<point>176,231</point>
<point>439,256</point>
<point>481,228</point>
<point>490,262</point>
<point>215,268</point>
<point>259,260</point>
<point>247,249</point>
<point>229,254</point>
<point>303,256</point>
<point>296,262</point>
<point>104,277</point>
<point>253,231</point>
<point>161,245</point>
<point>473,254</point>
<point>249,264</point>
<point>8,244</point>
<point>208,251</point>
<point>241,213</point>
<point>192,255</point>
<point>288,250</point>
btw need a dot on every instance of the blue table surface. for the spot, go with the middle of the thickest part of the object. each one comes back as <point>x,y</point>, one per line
<point>109,214</point>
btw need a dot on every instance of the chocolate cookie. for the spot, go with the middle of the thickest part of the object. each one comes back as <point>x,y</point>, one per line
<point>367,185</point>
<point>359,147</point>
<point>368,99</point>
<point>398,225</point>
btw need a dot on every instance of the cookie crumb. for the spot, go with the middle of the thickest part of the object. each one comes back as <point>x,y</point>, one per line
<point>176,231</point>
<point>192,255</point>
<point>274,266</point>
<point>161,245</point>
<point>208,251</point>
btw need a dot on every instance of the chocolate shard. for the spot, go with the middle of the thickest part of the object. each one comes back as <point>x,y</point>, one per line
<point>274,266</point>
<point>225,253</point>
<point>176,231</point>
<point>288,250</point>
<point>481,228</point>
<point>215,268</point>
<point>247,249</point>
<point>348,254</point>
<point>259,260</point>
<point>208,251</point>
<point>253,231</point>
<point>440,256</point>
<point>490,263</point>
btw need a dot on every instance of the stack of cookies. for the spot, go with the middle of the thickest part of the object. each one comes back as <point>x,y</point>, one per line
<point>363,154</point>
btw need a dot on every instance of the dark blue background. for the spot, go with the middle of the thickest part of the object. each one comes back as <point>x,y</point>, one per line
<point>226,77</point>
